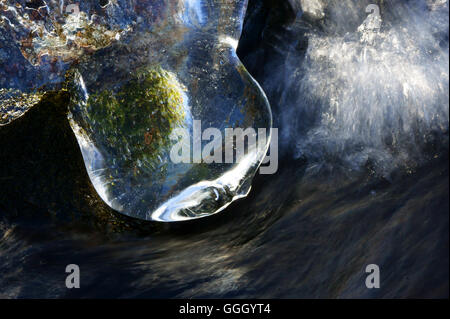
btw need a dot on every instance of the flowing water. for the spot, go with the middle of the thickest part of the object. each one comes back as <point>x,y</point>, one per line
<point>361,102</point>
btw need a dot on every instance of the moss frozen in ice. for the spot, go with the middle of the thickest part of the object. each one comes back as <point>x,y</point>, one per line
<point>135,121</point>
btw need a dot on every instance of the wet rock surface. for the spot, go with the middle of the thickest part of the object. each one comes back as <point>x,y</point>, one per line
<point>43,178</point>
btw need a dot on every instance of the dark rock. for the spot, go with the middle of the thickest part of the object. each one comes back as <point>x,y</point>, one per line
<point>43,177</point>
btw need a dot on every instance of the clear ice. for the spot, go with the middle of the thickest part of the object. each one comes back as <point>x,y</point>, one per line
<point>137,71</point>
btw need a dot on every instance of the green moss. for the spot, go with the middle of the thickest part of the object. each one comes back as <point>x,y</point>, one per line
<point>134,122</point>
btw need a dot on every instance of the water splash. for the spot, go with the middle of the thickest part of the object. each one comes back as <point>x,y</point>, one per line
<point>369,93</point>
